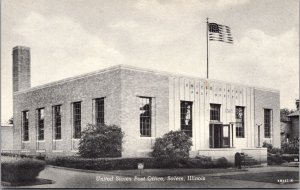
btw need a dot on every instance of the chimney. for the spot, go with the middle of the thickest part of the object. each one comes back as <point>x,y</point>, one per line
<point>21,68</point>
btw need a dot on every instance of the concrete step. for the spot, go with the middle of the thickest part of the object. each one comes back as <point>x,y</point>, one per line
<point>250,161</point>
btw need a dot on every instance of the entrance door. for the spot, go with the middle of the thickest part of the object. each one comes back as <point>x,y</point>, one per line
<point>219,136</point>
<point>225,136</point>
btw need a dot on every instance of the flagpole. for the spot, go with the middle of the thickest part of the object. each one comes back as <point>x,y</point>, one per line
<point>207,47</point>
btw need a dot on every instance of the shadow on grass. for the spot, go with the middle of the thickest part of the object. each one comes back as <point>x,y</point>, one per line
<point>38,181</point>
<point>280,177</point>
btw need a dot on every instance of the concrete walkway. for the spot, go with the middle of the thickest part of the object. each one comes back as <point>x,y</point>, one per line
<point>66,178</point>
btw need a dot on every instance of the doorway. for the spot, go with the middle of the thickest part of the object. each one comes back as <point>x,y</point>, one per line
<point>219,136</point>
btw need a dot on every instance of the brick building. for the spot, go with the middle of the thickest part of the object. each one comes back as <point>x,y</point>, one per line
<point>222,118</point>
<point>290,128</point>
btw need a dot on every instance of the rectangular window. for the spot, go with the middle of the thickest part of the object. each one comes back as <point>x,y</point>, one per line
<point>145,117</point>
<point>99,111</point>
<point>25,125</point>
<point>186,122</point>
<point>57,122</point>
<point>215,112</point>
<point>77,120</point>
<point>41,127</point>
<point>239,117</point>
<point>267,122</point>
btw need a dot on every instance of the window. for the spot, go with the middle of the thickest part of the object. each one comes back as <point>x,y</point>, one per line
<point>57,122</point>
<point>99,111</point>
<point>239,117</point>
<point>186,123</point>
<point>41,118</point>
<point>25,115</point>
<point>145,117</point>
<point>77,120</point>
<point>215,112</point>
<point>267,122</point>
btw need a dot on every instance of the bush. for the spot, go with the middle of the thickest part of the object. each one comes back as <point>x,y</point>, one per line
<point>204,158</point>
<point>99,164</point>
<point>173,148</point>
<point>271,149</point>
<point>222,163</point>
<point>291,147</point>
<point>21,171</point>
<point>101,141</point>
<point>275,159</point>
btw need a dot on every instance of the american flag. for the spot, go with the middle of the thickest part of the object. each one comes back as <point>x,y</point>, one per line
<point>218,32</point>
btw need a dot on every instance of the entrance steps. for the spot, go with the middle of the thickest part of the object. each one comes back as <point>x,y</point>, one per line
<point>250,161</point>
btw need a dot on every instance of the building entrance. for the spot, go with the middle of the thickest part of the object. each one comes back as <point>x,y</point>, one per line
<point>219,136</point>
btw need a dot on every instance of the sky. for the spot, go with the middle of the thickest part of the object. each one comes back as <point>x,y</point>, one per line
<point>72,37</point>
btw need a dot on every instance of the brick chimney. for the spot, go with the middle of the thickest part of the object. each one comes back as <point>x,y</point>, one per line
<point>21,68</point>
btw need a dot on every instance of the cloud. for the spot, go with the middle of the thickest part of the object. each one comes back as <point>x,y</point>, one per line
<point>60,42</point>
<point>162,21</point>
<point>263,60</point>
<point>224,4</point>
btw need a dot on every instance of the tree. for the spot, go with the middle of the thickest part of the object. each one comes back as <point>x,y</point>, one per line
<point>173,148</point>
<point>101,141</point>
<point>284,114</point>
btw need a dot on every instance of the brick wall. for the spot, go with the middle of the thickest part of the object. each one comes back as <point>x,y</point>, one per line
<point>84,89</point>
<point>265,99</point>
<point>21,68</point>
<point>6,137</point>
<point>146,84</point>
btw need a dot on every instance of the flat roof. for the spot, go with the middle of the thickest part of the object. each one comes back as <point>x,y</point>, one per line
<point>127,67</point>
<point>296,113</point>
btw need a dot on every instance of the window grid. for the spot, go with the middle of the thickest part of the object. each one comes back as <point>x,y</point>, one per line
<point>41,117</point>
<point>267,123</point>
<point>77,119</point>
<point>99,108</point>
<point>214,112</point>
<point>25,125</point>
<point>145,117</point>
<point>57,122</point>
<point>186,117</point>
<point>240,127</point>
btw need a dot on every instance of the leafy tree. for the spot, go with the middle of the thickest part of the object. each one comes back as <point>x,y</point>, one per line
<point>173,148</point>
<point>284,114</point>
<point>101,141</point>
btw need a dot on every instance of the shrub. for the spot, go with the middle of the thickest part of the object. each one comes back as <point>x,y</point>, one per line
<point>268,146</point>
<point>291,147</point>
<point>275,159</point>
<point>21,171</point>
<point>271,149</point>
<point>203,158</point>
<point>100,163</point>
<point>101,141</point>
<point>173,148</point>
<point>129,163</point>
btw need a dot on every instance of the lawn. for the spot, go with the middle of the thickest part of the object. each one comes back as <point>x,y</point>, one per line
<point>172,172</point>
<point>268,177</point>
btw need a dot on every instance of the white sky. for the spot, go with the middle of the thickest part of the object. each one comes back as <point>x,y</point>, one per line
<point>71,37</point>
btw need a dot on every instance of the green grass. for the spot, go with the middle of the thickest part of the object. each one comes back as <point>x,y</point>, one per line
<point>268,177</point>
